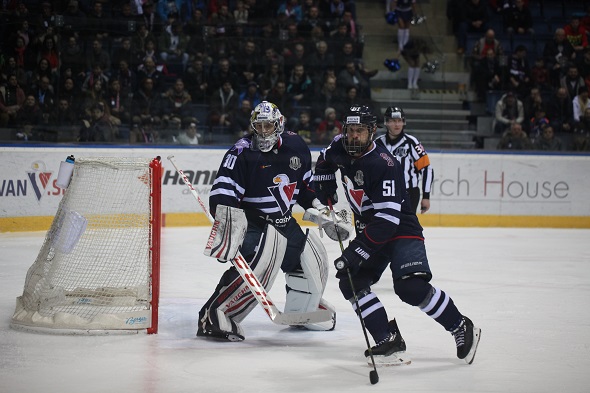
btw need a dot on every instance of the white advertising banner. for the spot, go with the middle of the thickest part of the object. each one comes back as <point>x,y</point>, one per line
<point>465,184</point>
<point>510,184</point>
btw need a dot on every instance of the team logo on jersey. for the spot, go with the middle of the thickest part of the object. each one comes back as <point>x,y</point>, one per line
<point>401,152</point>
<point>354,196</point>
<point>283,192</point>
<point>359,178</point>
<point>295,163</point>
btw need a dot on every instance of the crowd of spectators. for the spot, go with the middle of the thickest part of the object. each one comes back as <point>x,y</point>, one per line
<point>182,71</point>
<point>536,74</point>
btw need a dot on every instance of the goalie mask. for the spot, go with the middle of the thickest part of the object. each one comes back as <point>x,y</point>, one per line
<point>267,123</point>
<point>359,129</point>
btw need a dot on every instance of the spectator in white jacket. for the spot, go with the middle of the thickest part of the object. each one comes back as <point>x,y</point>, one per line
<point>581,102</point>
<point>509,109</point>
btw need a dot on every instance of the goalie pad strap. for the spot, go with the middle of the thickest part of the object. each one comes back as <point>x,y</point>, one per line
<point>227,233</point>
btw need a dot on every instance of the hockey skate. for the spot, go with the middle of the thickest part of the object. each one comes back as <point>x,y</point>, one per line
<point>389,351</point>
<point>209,330</point>
<point>467,338</point>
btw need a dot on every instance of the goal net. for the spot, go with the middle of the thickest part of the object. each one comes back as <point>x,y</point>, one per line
<point>98,269</point>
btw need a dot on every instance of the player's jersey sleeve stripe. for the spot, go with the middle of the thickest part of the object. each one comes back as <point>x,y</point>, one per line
<point>230,182</point>
<point>224,191</point>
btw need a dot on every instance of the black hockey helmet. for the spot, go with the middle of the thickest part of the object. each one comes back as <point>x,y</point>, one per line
<point>358,115</point>
<point>394,112</point>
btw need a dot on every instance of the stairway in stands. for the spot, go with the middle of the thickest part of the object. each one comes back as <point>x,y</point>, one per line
<point>440,117</point>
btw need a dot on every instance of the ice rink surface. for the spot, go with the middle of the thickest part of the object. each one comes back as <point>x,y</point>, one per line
<point>528,290</point>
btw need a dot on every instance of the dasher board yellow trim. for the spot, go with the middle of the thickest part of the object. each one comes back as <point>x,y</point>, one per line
<point>40,223</point>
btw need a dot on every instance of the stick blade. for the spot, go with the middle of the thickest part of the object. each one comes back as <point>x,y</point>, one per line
<point>374,377</point>
<point>303,318</point>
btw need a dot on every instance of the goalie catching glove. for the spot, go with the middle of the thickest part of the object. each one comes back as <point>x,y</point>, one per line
<point>227,233</point>
<point>320,215</point>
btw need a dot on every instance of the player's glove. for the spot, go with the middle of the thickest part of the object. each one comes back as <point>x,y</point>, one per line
<point>352,259</point>
<point>325,188</point>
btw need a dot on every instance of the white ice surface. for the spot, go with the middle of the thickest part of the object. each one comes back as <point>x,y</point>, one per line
<point>528,290</point>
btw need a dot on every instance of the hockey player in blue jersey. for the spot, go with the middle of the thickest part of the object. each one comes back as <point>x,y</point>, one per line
<point>387,234</point>
<point>261,178</point>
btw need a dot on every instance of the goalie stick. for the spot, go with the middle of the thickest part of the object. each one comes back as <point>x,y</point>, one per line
<point>252,281</point>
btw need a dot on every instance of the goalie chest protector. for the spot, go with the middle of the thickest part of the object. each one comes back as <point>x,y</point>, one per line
<point>265,185</point>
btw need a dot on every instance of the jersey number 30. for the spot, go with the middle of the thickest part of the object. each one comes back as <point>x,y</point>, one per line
<point>388,188</point>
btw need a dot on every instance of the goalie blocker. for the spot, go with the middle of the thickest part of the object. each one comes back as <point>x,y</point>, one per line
<point>232,301</point>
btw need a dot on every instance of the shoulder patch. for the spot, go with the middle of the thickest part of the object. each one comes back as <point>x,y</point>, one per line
<point>387,158</point>
<point>241,144</point>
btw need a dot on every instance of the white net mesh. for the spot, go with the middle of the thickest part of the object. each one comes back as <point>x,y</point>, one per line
<point>94,268</point>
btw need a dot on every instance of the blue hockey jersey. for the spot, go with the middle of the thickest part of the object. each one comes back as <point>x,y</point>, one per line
<point>265,185</point>
<point>375,188</point>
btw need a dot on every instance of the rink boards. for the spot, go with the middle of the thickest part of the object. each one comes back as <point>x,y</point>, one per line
<point>470,189</point>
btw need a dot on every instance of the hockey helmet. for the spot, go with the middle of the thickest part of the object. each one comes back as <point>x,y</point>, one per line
<point>392,65</point>
<point>391,18</point>
<point>394,112</point>
<point>267,123</point>
<point>358,118</point>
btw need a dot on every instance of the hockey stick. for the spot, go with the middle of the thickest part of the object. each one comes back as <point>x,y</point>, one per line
<point>373,376</point>
<point>252,281</point>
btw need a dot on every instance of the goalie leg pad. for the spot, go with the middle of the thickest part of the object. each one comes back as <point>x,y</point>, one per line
<point>305,287</point>
<point>232,300</point>
<point>265,265</point>
<point>227,233</point>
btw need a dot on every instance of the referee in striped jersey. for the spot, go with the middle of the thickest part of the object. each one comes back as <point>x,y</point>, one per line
<point>411,154</point>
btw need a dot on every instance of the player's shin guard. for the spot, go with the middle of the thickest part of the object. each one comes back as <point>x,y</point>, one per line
<point>306,286</point>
